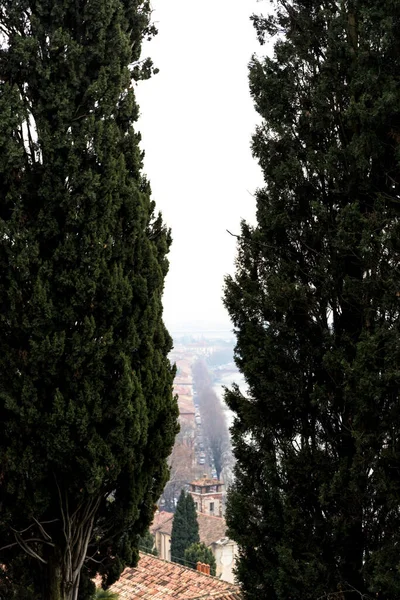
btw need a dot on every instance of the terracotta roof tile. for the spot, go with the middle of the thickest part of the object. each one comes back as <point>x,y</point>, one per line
<point>206,481</point>
<point>184,390</point>
<point>185,406</point>
<point>160,518</point>
<point>211,529</point>
<point>156,579</point>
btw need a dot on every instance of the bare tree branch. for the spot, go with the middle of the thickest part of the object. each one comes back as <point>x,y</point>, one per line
<point>42,530</point>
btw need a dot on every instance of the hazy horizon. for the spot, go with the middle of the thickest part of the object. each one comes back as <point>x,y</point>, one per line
<point>196,122</point>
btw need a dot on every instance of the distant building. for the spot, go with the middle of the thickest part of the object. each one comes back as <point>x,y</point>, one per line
<point>212,532</point>
<point>161,530</point>
<point>207,496</point>
<point>225,552</point>
<point>187,414</point>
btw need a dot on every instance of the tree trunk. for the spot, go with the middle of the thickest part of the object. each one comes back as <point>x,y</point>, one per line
<point>64,562</point>
<point>59,587</point>
<point>75,589</point>
<point>61,574</point>
<point>52,585</point>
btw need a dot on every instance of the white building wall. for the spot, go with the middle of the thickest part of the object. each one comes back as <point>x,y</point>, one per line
<point>225,552</point>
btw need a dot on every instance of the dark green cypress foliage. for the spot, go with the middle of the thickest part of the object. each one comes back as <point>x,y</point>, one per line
<point>20,579</point>
<point>105,595</point>
<point>185,528</point>
<point>87,416</point>
<point>315,304</point>
<point>200,553</point>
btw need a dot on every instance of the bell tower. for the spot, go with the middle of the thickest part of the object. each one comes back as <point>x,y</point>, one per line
<point>207,496</point>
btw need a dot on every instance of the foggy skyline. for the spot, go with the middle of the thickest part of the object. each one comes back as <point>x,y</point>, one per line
<point>196,122</point>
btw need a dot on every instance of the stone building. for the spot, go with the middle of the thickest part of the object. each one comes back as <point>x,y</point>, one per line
<point>207,496</point>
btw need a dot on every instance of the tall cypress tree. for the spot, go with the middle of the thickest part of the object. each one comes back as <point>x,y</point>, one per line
<point>315,304</point>
<point>199,552</point>
<point>87,415</point>
<point>185,528</point>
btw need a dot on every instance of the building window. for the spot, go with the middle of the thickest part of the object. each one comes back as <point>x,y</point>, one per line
<point>211,507</point>
<point>196,504</point>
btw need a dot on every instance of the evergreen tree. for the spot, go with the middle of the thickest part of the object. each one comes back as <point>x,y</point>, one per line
<point>200,553</point>
<point>105,595</point>
<point>87,416</point>
<point>315,304</point>
<point>20,580</point>
<point>185,528</point>
<point>146,543</point>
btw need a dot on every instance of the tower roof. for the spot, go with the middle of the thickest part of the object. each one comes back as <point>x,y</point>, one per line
<point>206,481</point>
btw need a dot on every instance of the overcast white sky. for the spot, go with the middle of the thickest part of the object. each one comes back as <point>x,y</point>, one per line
<point>196,124</point>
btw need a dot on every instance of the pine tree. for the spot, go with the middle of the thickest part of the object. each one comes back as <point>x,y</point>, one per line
<point>185,528</point>
<point>200,553</point>
<point>315,304</point>
<point>87,416</point>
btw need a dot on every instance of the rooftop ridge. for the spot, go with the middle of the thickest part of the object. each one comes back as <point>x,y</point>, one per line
<point>210,516</point>
<point>183,567</point>
<point>218,594</point>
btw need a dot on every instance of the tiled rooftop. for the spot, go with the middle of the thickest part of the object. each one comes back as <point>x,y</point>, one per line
<point>159,519</point>
<point>211,529</point>
<point>184,390</point>
<point>185,405</point>
<point>156,579</point>
<point>206,482</point>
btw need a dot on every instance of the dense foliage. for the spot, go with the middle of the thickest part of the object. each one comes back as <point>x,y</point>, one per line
<point>185,528</point>
<point>146,543</point>
<point>87,416</point>
<point>315,304</point>
<point>105,595</point>
<point>200,553</point>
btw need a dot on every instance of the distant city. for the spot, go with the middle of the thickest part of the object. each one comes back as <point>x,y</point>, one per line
<point>201,462</point>
<point>204,359</point>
